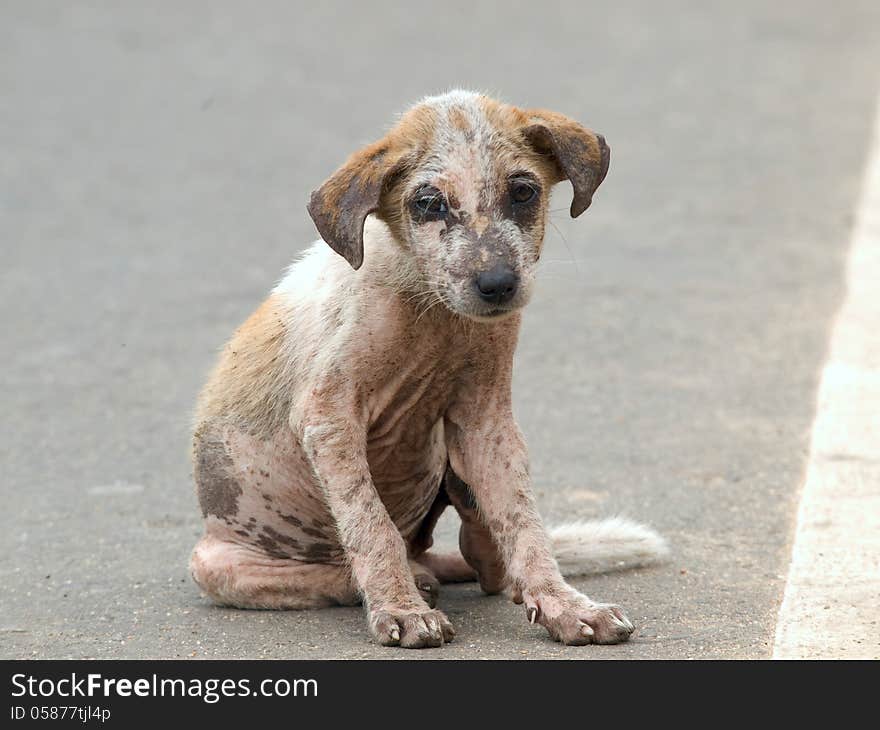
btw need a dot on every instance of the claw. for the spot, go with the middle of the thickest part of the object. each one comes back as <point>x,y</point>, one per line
<point>395,634</point>
<point>533,614</point>
<point>587,630</point>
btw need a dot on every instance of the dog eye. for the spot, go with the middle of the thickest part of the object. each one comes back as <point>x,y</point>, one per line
<point>431,204</point>
<point>521,192</point>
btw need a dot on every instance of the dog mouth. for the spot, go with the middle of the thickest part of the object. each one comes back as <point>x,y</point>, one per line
<point>492,314</point>
<point>474,309</point>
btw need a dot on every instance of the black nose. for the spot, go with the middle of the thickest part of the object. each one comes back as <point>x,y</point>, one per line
<point>497,285</point>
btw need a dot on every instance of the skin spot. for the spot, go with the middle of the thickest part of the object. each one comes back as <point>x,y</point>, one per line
<point>218,491</point>
<point>314,533</point>
<point>319,552</point>
<point>277,537</point>
<point>355,491</point>
<point>271,548</point>
<point>517,520</point>
<point>291,519</point>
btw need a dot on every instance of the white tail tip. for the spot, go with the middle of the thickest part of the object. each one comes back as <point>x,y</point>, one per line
<point>601,546</point>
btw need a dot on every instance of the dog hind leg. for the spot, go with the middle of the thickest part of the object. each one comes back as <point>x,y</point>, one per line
<point>235,575</point>
<point>479,558</point>
<point>477,547</point>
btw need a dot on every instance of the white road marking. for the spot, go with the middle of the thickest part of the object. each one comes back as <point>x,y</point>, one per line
<point>831,606</point>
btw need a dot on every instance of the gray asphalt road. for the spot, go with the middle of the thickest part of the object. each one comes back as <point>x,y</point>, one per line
<point>154,168</point>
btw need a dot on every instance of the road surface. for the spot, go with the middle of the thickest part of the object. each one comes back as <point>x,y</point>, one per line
<point>154,170</point>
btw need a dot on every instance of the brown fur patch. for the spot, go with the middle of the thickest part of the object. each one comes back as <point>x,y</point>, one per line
<point>458,119</point>
<point>569,151</point>
<point>582,156</point>
<point>250,386</point>
<point>341,205</point>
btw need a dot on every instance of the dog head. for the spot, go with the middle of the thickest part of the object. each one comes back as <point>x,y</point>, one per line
<point>463,182</point>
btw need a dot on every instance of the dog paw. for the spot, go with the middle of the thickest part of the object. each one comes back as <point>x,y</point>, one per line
<point>572,618</point>
<point>410,628</point>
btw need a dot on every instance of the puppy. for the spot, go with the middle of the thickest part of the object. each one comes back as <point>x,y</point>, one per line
<point>372,389</point>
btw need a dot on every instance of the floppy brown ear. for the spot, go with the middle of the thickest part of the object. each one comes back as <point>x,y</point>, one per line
<point>341,205</point>
<point>580,155</point>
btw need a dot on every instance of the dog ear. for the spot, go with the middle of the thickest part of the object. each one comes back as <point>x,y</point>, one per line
<point>341,205</point>
<point>580,155</point>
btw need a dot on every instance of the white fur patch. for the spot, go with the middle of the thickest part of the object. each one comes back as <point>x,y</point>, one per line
<point>589,547</point>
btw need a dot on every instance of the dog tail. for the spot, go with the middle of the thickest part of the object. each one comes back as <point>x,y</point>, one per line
<point>602,546</point>
<point>580,548</point>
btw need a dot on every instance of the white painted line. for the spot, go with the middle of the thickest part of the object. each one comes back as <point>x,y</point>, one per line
<point>831,606</point>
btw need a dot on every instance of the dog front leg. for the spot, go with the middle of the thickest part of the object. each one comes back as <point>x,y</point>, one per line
<point>397,614</point>
<point>490,455</point>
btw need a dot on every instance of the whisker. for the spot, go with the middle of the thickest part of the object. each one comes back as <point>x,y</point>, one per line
<point>567,247</point>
